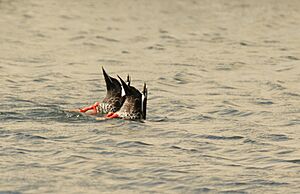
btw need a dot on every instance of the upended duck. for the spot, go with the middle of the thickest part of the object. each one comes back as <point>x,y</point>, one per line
<point>135,104</point>
<point>121,101</point>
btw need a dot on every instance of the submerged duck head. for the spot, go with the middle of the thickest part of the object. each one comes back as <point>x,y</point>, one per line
<point>134,106</point>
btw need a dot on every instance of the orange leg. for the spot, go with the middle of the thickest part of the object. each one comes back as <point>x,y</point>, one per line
<point>112,115</point>
<point>93,107</point>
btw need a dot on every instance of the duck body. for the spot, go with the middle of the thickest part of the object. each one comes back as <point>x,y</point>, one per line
<point>134,106</point>
<point>112,101</point>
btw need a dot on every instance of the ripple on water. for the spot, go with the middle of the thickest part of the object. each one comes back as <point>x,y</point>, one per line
<point>29,137</point>
<point>129,144</point>
<point>231,112</point>
<point>293,122</point>
<point>201,117</point>
<point>274,85</point>
<point>295,161</point>
<point>263,101</point>
<point>107,38</point>
<point>276,137</point>
<point>12,116</point>
<point>294,94</point>
<point>215,137</point>
<point>291,57</point>
<point>229,66</point>
<point>9,192</point>
<point>267,182</point>
<point>183,149</point>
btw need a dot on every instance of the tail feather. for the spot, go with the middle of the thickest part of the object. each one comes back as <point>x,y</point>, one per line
<point>144,101</point>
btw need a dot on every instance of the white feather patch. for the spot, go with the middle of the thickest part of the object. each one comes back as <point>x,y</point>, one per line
<point>123,92</point>
<point>143,99</point>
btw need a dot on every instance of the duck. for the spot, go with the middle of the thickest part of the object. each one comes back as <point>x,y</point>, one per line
<point>114,99</point>
<point>134,106</point>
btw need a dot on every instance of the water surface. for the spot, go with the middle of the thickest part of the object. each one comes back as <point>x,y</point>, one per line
<point>224,96</point>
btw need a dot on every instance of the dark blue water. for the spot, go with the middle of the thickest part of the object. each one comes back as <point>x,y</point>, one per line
<point>223,108</point>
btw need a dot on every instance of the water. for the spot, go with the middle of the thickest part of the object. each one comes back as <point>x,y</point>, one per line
<point>224,96</point>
